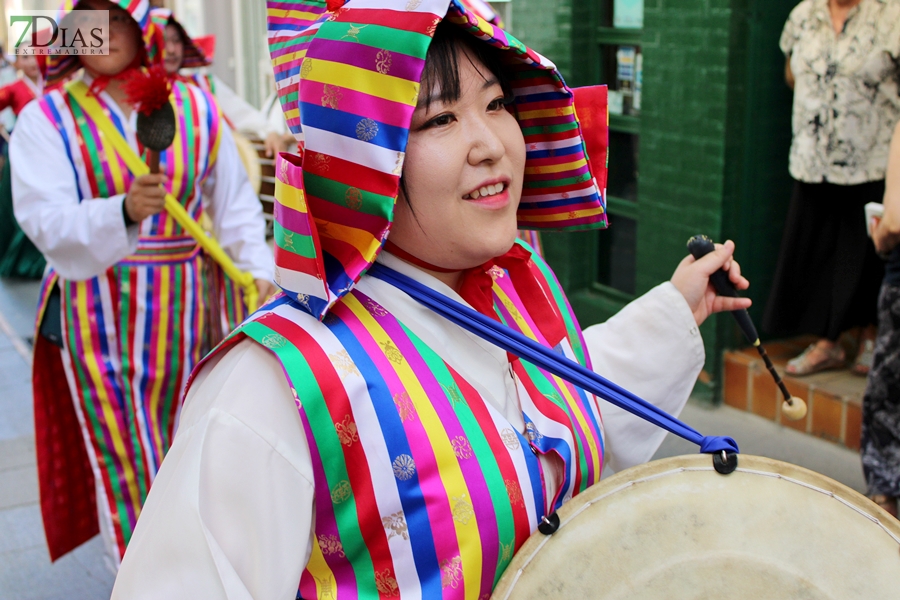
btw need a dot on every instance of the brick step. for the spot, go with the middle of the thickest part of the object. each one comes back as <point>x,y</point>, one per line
<point>834,397</point>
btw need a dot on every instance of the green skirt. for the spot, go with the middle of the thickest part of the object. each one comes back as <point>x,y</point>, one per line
<point>18,256</point>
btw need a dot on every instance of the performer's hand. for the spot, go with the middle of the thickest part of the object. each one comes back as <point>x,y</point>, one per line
<point>146,197</point>
<point>691,278</point>
<point>274,144</point>
<point>265,288</point>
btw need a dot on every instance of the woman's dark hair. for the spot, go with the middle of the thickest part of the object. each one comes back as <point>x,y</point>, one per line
<point>442,63</point>
<point>441,70</point>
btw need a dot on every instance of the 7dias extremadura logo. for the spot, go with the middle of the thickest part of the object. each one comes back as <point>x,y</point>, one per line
<point>40,32</point>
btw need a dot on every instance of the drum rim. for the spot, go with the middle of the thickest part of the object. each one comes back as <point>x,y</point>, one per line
<point>747,463</point>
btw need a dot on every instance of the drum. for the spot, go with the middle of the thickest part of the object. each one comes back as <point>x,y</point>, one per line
<point>675,529</point>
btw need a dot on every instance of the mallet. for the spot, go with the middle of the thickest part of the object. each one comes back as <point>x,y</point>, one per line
<point>699,246</point>
<point>149,92</point>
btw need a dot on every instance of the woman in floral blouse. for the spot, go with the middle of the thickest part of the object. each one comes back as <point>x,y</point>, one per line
<point>843,63</point>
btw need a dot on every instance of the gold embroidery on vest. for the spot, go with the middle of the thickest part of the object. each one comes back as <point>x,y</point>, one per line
<point>353,32</point>
<point>395,525</point>
<point>451,572</point>
<point>433,27</point>
<point>375,309</point>
<point>325,589</point>
<point>532,433</point>
<point>347,431</point>
<point>331,97</point>
<point>306,68</point>
<point>353,198</point>
<point>288,240</point>
<point>303,300</point>
<point>383,61</point>
<point>405,407</point>
<point>507,552</point>
<point>515,493</point>
<point>343,363</point>
<point>453,394</point>
<point>461,447</point>
<point>341,492</point>
<point>413,4</point>
<point>392,353</point>
<point>510,439</point>
<point>330,544</point>
<point>322,162</point>
<point>462,510</point>
<point>404,467</point>
<point>496,272</point>
<point>273,341</point>
<point>366,130</point>
<point>386,584</point>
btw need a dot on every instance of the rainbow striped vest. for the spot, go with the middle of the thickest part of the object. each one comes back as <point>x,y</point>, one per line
<point>423,489</point>
<point>100,173</point>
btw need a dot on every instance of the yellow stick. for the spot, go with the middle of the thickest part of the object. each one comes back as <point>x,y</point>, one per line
<point>173,207</point>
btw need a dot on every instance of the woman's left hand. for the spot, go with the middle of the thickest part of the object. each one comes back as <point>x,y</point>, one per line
<point>691,278</point>
<point>265,289</point>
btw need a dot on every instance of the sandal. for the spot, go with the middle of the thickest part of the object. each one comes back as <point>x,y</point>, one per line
<point>888,503</point>
<point>803,364</point>
<point>863,362</point>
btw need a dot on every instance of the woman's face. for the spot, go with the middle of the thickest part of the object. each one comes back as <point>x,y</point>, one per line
<point>28,64</point>
<point>124,40</point>
<point>463,171</point>
<point>174,54</point>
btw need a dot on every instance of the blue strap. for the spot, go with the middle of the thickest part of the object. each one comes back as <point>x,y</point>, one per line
<point>545,358</point>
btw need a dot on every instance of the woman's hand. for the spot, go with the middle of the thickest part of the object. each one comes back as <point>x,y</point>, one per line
<point>274,144</point>
<point>146,197</point>
<point>885,240</point>
<point>691,278</point>
<point>265,289</point>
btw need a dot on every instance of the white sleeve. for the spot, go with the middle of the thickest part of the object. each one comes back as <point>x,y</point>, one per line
<point>80,239</point>
<point>230,513</point>
<point>242,115</point>
<point>653,348</point>
<point>236,212</point>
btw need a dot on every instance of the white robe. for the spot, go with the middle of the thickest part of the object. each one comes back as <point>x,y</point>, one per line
<point>230,514</point>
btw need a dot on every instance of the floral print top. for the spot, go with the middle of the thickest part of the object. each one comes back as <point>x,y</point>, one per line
<point>846,91</point>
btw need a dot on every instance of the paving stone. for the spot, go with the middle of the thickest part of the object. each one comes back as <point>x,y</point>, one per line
<point>17,452</point>
<point>81,575</point>
<point>21,529</point>
<point>18,487</point>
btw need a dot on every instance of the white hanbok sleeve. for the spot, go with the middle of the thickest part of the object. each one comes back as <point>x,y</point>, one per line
<point>80,239</point>
<point>230,513</point>
<point>653,348</point>
<point>244,117</point>
<point>236,212</point>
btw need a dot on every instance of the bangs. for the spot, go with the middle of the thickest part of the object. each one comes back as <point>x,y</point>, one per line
<point>441,72</point>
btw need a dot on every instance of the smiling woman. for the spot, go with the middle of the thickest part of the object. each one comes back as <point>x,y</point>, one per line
<point>346,439</point>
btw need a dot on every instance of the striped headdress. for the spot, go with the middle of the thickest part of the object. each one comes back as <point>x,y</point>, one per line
<point>58,68</point>
<point>348,76</point>
<point>193,56</point>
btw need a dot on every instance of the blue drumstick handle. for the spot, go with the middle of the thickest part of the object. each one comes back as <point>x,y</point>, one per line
<point>699,246</point>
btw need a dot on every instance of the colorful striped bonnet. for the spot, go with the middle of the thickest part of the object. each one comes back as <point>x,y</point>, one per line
<point>348,77</point>
<point>57,68</point>
<point>193,55</point>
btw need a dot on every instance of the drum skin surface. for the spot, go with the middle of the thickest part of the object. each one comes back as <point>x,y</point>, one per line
<point>675,529</point>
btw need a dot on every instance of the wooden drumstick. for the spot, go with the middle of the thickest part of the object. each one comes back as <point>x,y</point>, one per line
<point>793,408</point>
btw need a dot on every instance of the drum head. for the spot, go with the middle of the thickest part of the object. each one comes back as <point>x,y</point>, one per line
<point>675,529</point>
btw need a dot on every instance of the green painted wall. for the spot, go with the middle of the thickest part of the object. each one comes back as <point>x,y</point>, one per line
<point>714,135</point>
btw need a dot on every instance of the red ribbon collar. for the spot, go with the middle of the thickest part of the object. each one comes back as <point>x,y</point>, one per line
<point>477,285</point>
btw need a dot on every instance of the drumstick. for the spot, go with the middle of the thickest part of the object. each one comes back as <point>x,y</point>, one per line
<point>699,246</point>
